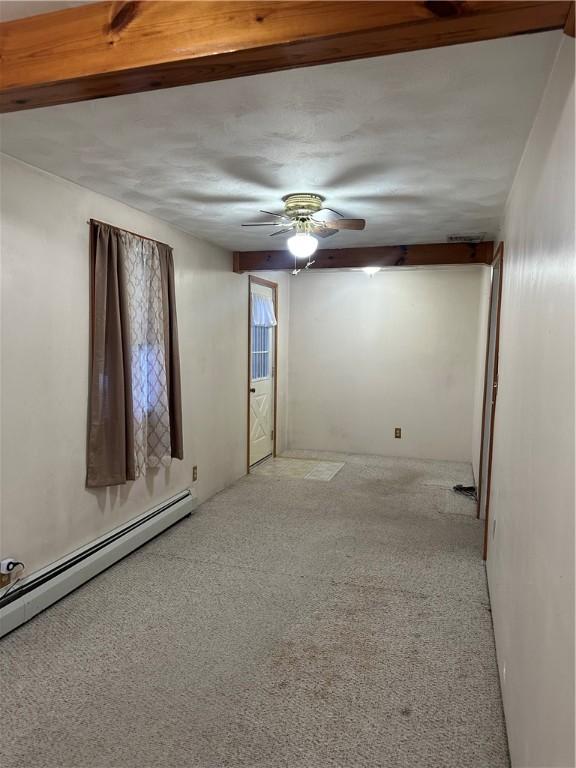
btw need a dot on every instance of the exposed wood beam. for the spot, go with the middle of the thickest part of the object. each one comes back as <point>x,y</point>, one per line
<point>421,255</point>
<point>111,48</point>
<point>569,26</point>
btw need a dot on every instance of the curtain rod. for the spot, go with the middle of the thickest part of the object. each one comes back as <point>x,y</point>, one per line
<point>142,237</point>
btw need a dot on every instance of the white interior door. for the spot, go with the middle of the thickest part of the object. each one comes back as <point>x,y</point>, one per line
<point>491,386</point>
<point>262,372</point>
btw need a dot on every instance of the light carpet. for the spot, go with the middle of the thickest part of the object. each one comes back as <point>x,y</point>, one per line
<point>287,624</point>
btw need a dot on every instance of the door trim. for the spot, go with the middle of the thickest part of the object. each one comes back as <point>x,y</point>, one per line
<point>274,287</point>
<point>489,386</point>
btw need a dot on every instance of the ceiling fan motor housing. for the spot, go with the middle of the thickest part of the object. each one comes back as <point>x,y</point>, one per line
<point>298,216</point>
<point>302,205</point>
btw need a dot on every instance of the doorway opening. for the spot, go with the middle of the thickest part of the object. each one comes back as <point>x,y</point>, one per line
<point>262,370</point>
<point>490,394</point>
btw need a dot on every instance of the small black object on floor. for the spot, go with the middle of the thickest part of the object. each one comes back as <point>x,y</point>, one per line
<point>466,490</point>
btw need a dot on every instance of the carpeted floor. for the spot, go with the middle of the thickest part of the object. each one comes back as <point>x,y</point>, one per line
<point>292,624</point>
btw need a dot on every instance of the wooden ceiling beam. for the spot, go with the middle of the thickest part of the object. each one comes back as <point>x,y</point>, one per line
<point>569,26</point>
<point>111,48</point>
<point>420,255</point>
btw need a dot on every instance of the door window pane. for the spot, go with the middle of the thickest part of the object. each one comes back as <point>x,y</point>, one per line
<point>260,352</point>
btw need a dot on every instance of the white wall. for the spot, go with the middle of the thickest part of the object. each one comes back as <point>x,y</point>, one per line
<point>531,556</point>
<point>395,350</point>
<point>46,511</point>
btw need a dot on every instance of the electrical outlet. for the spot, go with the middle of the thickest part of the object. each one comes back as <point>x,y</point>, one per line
<point>194,473</point>
<point>397,432</point>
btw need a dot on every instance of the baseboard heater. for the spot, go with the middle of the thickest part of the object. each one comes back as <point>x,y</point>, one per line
<point>45,587</point>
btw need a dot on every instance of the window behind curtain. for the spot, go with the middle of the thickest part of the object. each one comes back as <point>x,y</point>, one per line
<point>135,412</point>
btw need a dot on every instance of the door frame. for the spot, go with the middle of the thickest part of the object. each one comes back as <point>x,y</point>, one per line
<point>274,286</point>
<point>490,387</point>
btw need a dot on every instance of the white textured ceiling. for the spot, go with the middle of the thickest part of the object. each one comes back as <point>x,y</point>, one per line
<point>421,144</point>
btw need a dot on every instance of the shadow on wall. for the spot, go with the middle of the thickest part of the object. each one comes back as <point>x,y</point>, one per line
<point>116,495</point>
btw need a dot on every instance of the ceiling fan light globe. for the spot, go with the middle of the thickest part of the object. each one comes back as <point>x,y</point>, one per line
<point>302,245</point>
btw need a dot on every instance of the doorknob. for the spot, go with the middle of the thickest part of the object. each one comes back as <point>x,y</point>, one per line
<point>252,389</point>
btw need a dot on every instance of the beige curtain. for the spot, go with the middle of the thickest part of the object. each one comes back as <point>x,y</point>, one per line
<point>135,411</point>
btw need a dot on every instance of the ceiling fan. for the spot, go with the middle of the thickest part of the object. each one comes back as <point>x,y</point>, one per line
<point>304,215</point>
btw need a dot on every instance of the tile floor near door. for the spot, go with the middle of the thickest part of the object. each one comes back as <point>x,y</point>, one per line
<point>289,623</point>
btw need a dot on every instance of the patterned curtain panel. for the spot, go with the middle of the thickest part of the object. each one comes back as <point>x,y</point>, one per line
<point>135,418</point>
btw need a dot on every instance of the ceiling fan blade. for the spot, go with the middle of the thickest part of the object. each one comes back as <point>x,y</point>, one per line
<point>325,208</point>
<point>324,232</point>
<point>264,224</point>
<point>281,232</point>
<point>279,215</point>
<point>345,223</point>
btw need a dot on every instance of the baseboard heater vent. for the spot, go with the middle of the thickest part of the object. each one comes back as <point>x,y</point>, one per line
<point>48,585</point>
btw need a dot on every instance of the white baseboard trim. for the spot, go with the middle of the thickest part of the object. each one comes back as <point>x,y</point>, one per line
<point>45,587</point>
